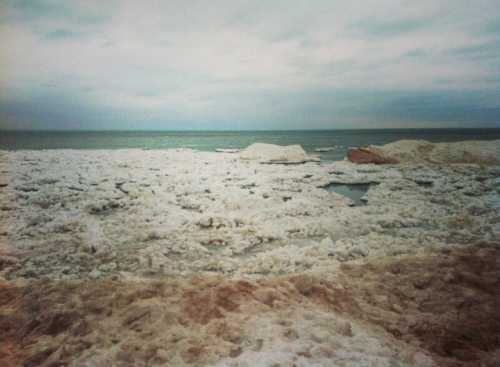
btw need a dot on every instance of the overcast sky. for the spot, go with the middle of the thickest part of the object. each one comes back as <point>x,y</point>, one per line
<point>249,64</point>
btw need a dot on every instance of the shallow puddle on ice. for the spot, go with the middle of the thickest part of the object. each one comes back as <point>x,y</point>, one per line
<point>353,191</point>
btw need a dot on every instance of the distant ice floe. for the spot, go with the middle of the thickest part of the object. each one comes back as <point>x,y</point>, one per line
<point>326,149</point>
<point>227,150</point>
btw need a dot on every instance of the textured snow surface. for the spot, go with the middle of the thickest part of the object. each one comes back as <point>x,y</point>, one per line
<point>76,214</point>
<point>186,258</point>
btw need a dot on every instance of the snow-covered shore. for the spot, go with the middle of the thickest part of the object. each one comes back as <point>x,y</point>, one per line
<point>270,235</point>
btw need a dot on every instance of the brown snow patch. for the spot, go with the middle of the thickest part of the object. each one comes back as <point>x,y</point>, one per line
<point>439,304</point>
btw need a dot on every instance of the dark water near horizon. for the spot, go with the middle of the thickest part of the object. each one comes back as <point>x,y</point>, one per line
<point>210,140</point>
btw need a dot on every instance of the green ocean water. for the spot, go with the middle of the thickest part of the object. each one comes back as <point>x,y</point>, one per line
<point>310,140</point>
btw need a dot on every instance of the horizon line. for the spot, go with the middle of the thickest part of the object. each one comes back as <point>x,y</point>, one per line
<point>250,130</point>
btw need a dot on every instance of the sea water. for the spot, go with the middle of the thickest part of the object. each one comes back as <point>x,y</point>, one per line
<point>338,140</point>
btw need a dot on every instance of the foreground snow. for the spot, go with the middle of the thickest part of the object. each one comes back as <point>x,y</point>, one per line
<point>261,247</point>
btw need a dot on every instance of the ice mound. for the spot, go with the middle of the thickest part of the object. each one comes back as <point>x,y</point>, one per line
<point>419,151</point>
<point>271,153</point>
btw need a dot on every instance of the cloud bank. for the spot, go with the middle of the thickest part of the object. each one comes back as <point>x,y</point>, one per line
<point>249,64</point>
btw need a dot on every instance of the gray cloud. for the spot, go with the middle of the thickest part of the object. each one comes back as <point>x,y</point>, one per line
<point>240,64</point>
<point>483,51</point>
<point>388,28</point>
<point>60,34</point>
<point>416,53</point>
<point>30,10</point>
<point>492,27</point>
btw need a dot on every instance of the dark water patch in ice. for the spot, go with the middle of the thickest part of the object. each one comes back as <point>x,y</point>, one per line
<point>355,192</point>
<point>424,183</point>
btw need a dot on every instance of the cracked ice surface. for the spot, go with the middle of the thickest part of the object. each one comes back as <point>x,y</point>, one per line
<point>69,214</point>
